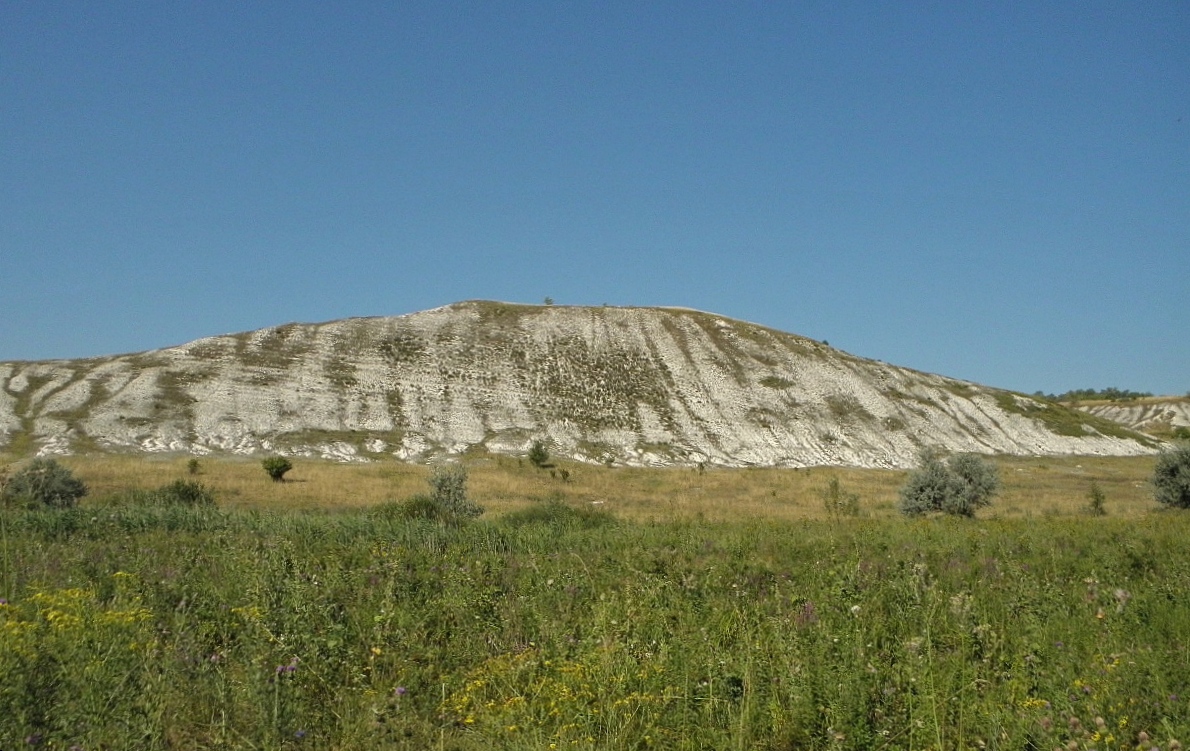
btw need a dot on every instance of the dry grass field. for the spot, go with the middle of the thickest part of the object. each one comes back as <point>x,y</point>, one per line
<point>1047,486</point>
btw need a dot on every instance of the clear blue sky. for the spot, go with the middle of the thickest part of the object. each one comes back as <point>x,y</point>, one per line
<point>993,191</point>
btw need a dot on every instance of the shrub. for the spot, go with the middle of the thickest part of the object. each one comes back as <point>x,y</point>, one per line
<point>419,506</point>
<point>44,482</point>
<point>538,454</point>
<point>1095,500</point>
<point>277,466</point>
<point>192,466</point>
<point>928,487</point>
<point>448,491</point>
<point>978,483</point>
<point>184,493</point>
<point>1171,477</point>
<point>557,513</point>
<point>446,502</point>
<point>959,487</point>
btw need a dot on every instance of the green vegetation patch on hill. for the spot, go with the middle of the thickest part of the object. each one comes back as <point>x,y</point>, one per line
<point>1110,394</point>
<point>276,348</point>
<point>597,388</point>
<point>1063,420</point>
<point>776,382</point>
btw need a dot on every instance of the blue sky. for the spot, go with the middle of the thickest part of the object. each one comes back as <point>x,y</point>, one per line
<point>992,191</point>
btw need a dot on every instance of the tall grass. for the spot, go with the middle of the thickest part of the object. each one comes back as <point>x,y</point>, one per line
<point>563,627</point>
<point>1031,486</point>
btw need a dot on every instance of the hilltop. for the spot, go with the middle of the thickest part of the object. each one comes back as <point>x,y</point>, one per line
<point>636,386</point>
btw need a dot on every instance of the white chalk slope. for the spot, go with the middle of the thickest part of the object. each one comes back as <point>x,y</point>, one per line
<point>1157,415</point>
<point>641,386</point>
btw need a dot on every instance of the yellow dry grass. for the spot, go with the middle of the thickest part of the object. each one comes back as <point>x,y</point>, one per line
<point>1031,486</point>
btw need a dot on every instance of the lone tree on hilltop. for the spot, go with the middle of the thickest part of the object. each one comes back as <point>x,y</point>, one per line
<point>959,486</point>
<point>44,482</point>
<point>538,454</point>
<point>277,466</point>
<point>1171,477</point>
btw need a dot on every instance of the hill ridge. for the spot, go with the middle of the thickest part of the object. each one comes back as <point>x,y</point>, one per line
<point>621,385</point>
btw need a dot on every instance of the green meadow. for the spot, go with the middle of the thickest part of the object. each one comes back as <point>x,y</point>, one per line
<point>722,609</point>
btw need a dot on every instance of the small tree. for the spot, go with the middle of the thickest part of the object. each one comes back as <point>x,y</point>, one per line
<point>44,482</point>
<point>277,466</point>
<point>1171,477</point>
<point>192,466</point>
<point>538,454</point>
<point>448,490</point>
<point>959,487</point>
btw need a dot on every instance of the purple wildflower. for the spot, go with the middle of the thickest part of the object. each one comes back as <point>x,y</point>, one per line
<point>807,614</point>
<point>287,669</point>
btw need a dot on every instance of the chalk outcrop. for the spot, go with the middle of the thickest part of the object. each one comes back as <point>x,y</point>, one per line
<point>637,386</point>
<point>1156,415</point>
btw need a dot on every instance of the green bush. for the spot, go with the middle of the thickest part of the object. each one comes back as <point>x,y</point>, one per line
<point>415,507</point>
<point>447,501</point>
<point>958,487</point>
<point>44,482</point>
<point>177,494</point>
<point>557,513</point>
<point>1171,477</point>
<point>538,454</point>
<point>277,466</point>
<point>1096,500</point>
<point>448,491</point>
<point>184,493</point>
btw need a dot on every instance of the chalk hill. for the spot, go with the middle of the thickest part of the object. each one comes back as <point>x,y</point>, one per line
<point>1156,415</point>
<point>642,386</point>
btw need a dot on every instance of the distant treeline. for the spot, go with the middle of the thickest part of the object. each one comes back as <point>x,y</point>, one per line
<point>1110,394</point>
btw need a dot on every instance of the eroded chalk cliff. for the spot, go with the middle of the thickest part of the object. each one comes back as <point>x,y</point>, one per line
<point>605,384</point>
